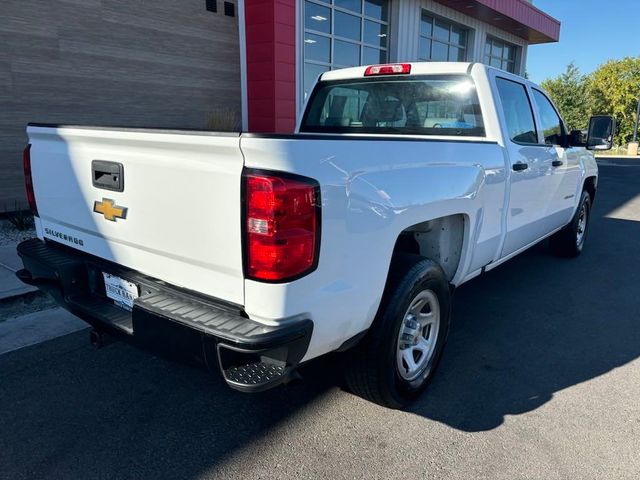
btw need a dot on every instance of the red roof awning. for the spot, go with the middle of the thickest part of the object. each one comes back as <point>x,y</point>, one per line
<point>518,17</point>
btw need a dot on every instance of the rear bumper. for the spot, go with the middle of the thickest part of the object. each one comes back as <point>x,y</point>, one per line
<point>169,320</point>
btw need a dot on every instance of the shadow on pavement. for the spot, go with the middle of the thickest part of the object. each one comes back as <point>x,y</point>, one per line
<point>539,324</point>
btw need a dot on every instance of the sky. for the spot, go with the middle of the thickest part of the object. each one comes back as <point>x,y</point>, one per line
<point>592,32</point>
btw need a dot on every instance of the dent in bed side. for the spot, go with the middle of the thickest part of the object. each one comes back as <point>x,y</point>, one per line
<point>369,196</point>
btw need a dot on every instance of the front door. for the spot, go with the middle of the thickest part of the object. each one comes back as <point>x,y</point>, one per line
<point>565,161</point>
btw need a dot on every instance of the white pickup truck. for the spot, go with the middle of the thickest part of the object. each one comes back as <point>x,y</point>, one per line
<point>257,252</point>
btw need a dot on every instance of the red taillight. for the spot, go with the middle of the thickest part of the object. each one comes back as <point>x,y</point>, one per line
<point>282,226</point>
<point>28,181</point>
<point>389,69</point>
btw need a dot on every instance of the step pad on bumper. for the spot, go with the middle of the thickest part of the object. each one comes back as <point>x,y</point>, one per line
<point>255,373</point>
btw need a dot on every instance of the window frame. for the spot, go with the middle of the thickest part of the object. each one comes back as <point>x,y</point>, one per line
<point>490,40</point>
<point>432,38</point>
<point>563,128</point>
<point>332,37</point>
<point>525,87</point>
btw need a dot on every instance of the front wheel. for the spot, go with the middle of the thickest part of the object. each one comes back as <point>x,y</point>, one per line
<point>569,242</point>
<point>398,357</point>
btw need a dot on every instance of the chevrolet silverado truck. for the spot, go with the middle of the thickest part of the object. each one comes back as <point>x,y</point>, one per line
<point>255,253</point>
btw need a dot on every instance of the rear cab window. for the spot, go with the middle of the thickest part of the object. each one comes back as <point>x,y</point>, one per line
<point>408,105</point>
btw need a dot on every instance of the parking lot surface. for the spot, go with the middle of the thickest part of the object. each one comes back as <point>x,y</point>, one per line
<point>540,379</point>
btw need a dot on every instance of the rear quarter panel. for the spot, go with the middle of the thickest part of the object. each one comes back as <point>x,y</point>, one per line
<point>371,191</point>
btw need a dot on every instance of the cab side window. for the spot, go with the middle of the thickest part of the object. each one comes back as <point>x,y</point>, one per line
<point>517,111</point>
<point>550,122</point>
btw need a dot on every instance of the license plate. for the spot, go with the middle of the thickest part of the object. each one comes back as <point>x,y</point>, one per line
<point>121,291</point>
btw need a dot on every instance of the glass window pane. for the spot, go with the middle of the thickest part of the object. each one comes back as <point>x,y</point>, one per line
<point>517,111</point>
<point>496,49</point>
<point>439,52</point>
<point>316,47</point>
<point>458,36</point>
<point>311,73</point>
<point>510,52</point>
<point>347,26</point>
<point>495,62</point>
<point>346,54</point>
<point>424,49</point>
<point>377,9</point>
<point>375,33</point>
<point>353,5</point>
<point>441,31</point>
<point>456,54</point>
<point>487,49</point>
<point>426,25</point>
<point>549,119</point>
<point>431,106</point>
<point>373,56</point>
<point>317,17</point>
<point>508,66</point>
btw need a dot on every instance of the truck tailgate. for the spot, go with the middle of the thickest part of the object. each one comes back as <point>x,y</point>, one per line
<point>181,192</point>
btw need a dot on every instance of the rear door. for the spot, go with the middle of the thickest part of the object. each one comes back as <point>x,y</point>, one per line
<point>164,203</point>
<point>531,167</point>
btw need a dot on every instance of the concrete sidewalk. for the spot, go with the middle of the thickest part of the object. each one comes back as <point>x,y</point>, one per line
<point>10,263</point>
<point>28,328</point>
<point>37,327</point>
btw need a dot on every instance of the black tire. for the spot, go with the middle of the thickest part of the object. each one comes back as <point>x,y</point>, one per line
<point>372,371</point>
<point>565,242</point>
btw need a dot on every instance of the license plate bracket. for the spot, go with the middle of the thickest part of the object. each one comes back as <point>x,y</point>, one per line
<point>121,291</point>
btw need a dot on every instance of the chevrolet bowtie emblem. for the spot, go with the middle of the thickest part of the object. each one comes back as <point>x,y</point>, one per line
<point>110,210</point>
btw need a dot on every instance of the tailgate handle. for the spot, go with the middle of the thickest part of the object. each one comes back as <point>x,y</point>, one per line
<point>107,175</point>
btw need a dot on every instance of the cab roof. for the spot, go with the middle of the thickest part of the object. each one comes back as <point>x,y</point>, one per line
<point>417,68</point>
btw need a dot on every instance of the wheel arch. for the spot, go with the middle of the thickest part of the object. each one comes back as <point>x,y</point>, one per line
<point>590,184</point>
<point>441,240</point>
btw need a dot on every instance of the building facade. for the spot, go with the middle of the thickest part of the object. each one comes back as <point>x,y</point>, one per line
<point>303,38</point>
<point>223,65</point>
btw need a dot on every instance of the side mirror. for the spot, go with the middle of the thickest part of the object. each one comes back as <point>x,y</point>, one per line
<point>602,128</point>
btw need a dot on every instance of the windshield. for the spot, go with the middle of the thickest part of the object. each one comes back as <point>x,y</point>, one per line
<point>426,105</point>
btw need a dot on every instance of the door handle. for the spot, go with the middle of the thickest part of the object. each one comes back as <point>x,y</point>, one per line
<point>557,163</point>
<point>518,167</point>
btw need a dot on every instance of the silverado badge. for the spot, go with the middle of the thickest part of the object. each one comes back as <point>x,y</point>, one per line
<point>109,209</point>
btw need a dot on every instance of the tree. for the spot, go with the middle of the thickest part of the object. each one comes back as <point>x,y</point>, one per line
<point>569,92</point>
<point>614,89</point>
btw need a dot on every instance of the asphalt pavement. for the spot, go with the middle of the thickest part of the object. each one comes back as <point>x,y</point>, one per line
<point>540,379</point>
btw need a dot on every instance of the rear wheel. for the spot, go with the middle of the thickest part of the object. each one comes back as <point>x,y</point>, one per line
<point>569,242</point>
<point>398,356</point>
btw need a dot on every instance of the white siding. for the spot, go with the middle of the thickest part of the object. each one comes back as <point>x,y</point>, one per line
<point>405,24</point>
